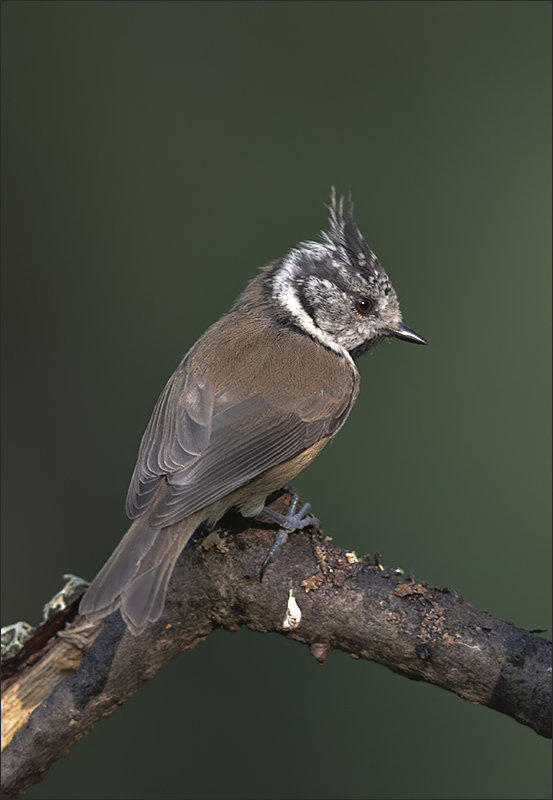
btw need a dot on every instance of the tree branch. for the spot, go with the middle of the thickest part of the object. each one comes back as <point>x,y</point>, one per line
<point>319,595</point>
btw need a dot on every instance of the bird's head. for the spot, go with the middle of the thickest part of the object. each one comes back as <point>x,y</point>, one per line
<point>336,290</point>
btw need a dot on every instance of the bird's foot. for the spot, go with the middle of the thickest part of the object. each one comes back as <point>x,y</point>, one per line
<point>294,520</point>
<point>280,539</point>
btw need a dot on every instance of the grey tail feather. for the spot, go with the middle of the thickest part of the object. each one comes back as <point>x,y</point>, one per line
<point>136,576</point>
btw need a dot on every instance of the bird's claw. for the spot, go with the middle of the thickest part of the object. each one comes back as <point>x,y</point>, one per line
<point>294,520</point>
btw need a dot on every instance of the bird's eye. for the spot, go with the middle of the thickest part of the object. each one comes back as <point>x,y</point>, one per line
<point>363,305</point>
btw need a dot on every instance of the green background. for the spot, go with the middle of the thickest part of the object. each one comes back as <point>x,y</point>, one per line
<point>154,155</point>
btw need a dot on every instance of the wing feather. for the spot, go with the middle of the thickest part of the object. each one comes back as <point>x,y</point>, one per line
<point>205,444</point>
<point>178,432</point>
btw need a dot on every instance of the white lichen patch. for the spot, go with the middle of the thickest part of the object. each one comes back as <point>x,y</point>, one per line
<point>59,602</point>
<point>293,613</point>
<point>14,638</point>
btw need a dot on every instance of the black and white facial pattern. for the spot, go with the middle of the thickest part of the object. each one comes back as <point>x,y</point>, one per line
<point>337,291</point>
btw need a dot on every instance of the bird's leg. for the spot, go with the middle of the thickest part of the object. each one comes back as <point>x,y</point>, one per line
<point>294,520</point>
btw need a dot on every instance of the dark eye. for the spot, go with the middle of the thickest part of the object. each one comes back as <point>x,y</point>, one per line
<point>363,305</point>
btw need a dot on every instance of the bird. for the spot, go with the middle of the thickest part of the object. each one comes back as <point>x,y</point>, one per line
<point>249,406</point>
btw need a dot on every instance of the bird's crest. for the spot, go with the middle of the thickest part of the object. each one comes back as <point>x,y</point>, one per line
<point>344,236</point>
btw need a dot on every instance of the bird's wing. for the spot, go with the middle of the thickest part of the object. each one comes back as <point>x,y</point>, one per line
<point>179,430</point>
<point>206,444</point>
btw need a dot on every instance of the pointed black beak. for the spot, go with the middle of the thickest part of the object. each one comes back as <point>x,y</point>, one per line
<point>405,333</point>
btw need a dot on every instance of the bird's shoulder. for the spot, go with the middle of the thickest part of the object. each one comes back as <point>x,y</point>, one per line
<point>254,355</point>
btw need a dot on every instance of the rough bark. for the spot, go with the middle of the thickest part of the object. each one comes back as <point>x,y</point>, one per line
<point>319,595</point>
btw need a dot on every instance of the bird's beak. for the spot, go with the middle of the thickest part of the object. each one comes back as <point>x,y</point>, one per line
<point>405,333</point>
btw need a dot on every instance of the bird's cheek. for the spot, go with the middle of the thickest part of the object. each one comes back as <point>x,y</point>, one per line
<point>390,318</point>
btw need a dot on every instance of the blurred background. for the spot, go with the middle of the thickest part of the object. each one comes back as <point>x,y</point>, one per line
<point>154,156</point>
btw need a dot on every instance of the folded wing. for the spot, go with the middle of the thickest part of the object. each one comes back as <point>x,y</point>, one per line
<point>205,444</point>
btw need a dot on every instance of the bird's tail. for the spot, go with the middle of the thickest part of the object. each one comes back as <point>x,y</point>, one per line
<point>136,575</point>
